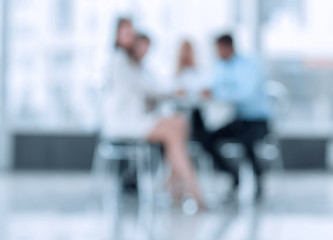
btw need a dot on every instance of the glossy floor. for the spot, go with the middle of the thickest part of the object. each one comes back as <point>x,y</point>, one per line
<point>43,206</point>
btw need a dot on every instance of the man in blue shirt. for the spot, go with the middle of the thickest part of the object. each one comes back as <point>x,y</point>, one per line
<point>240,81</point>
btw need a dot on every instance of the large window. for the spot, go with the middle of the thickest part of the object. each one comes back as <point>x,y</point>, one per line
<point>57,47</point>
<point>297,39</point>
<point>53,46</point>
<point>297,28</point>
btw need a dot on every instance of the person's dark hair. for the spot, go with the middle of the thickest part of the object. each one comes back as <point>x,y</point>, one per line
<point>138,37</point>
<point>225,39</point>
<point>182,61</point>
<point>142,36</point>
<point>120,23</point>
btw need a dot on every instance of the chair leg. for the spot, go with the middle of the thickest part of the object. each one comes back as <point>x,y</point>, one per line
<point>156,162</point>
<point>99,168</point>
<point>207,177</point>
<point>145,190</point>
<point>110,202</point>
<point>105,171</point>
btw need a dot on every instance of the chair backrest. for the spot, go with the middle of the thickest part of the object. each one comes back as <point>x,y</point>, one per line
<point>280,102</point>
<point>279,96</point>
<point>268,148</point>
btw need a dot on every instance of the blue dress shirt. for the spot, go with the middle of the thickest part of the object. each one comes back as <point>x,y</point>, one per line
<point>240,81</point>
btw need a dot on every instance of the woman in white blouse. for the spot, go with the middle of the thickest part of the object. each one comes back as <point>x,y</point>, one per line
<point>129,118</point>
<point>189,79</point>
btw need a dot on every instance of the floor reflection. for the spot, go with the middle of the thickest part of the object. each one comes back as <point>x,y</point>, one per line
<point>61,207</point>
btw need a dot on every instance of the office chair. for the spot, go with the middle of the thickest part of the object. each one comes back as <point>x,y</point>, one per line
<point>109,153</point>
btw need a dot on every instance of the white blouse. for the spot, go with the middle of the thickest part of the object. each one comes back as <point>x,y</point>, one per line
<point>215,113</point>
<point>191,80</point>
<point>125,102</point>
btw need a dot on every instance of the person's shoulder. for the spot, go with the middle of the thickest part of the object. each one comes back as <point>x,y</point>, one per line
<point>251,61</point>
<point>245,58</point>
<point>121,58</point>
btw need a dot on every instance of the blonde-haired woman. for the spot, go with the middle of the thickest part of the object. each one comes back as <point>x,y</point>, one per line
<point>188,79</point>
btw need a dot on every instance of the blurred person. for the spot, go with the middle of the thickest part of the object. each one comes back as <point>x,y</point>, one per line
<point>128,116</point>
<point>240,81</point>
<point>188,76</point>
<point>140,47</point>
<point>189,80</point>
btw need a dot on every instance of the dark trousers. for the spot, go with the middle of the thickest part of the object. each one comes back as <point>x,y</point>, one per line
<point>244,132</point>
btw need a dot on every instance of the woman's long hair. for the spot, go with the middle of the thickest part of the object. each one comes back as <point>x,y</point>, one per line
<point>186,57</point>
